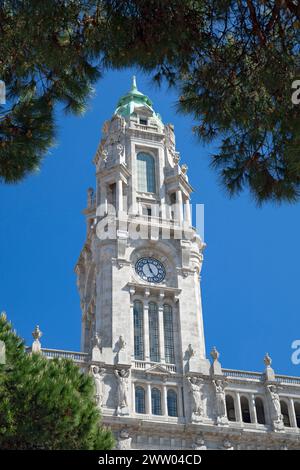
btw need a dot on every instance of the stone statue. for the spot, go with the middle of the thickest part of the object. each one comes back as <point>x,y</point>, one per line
<point>215,354</point>
<point>124,440</point>
<point>196,393</point>
<point>36,345</point>
<point>199,443</point>
<point>190,351</point>
<point>122,378</point>
<point>267,360</point>
<point>96,373</point>
<point>90,197</point>
<point>122,343</point>
<point>220,401</point>
<point>227,445</point>
<point>275,407</point>
<point>96,348</point>
<point>97,341</point>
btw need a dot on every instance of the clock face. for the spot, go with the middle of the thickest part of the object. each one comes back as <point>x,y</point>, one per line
<point>150,269</point>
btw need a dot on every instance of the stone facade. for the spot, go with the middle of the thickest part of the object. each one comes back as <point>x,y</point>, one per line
<point>143,339</point>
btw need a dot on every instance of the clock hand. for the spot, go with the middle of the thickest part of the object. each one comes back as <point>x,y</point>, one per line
<point>150,268</point>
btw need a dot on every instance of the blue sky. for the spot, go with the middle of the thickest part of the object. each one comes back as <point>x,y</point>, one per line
<point>250,278</point>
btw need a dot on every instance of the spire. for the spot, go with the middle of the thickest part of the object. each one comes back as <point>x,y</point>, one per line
<point>133,87</point>
<point>133,100</point>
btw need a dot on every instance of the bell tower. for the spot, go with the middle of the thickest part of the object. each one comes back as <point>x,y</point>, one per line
<point>139,273</point>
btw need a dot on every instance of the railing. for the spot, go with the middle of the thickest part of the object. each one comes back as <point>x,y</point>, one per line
<point>257,376</point>
<point>288,380</point>
<point>74,356</point>
<point>240,374</point>
<point>145,127</point>
<point>142,365</point>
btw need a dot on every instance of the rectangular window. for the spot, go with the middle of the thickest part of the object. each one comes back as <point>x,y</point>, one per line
<point>169,335</point>
<point>138,324</point>
<point>153,332</point>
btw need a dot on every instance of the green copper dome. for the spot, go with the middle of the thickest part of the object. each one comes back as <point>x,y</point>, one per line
<point>132,100</point>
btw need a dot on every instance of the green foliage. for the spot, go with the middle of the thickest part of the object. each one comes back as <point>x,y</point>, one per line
<point>46,404</point>
<point>233,64</point>
<point>46,58</point>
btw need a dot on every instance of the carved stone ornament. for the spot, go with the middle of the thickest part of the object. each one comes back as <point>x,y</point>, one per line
<point>221,413</point>
<point>96,372</point>
<point>276,415</point>
<point>36,345</point>
<point>199,443</point>
<point>124,440</point>
<point>122,395</point>
<point>195,385</point>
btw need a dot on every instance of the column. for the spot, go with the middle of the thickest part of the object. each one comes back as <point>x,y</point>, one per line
<point>148,400</point>
<point>164,402</point>
<point>238,410</point>
<point>252,406</point>
<point>292,413</point>
<point>187,214</point>
<point>119,195</point>
<point>132,328</point>
<point>179,207</point>
<point>103,199</point>
<point>179,402</point>
<point>146,331</point>
<point>133,397</point>
<point>161,331</point>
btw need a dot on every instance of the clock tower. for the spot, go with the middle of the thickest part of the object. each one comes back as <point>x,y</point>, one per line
<point>139,278</point>
<point>142,331</point>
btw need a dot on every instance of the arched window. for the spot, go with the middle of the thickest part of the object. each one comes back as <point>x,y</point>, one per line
<point>172,403</point>
<point>230,408</point>
<point>260,410</point>
<point>153,332</point>
<point>168,334</point>
<point>139,400</point>
<point>146,173</point>
<point>285,413</point>
<point>156,401</point>
<point>297,413</point>
<point>245,410</point>
<point>138,323</point>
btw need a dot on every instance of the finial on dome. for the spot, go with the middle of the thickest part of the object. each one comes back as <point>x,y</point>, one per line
<point>134,82</point>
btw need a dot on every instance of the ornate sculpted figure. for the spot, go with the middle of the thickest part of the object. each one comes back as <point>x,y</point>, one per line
<point>227,445</point>
<point>97,341</point>
<point>124,441</point>
<point>96,373</point>
<point>122,342</point>
<point>190,351</point>
<point>196,393</point>
<point>275,407</point>
<point>220,401</point>
<point>122,378</point>
<point>199,443</point>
